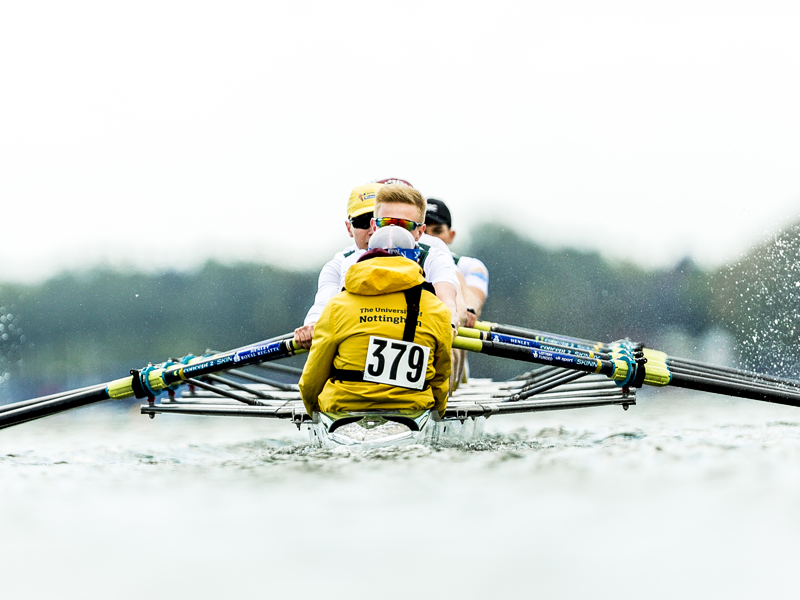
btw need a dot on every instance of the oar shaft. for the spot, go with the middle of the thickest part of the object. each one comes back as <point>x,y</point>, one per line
<point>241,357</point>
<point>741,379</point>
<point>688,364</point>
<point>754,386</point>
<point>543,336</point>
<point>29,412</point>
<point>567,361</point>
<point>530,342</point>
<point>23,403</point>
<point>718,386</point>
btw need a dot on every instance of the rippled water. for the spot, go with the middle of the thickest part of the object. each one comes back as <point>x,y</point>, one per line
<point>684,495</point>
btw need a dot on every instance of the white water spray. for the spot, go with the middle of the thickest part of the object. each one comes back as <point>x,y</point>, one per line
<point>762,295</point>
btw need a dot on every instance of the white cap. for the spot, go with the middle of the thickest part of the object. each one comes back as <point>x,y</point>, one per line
<point>391,237</point>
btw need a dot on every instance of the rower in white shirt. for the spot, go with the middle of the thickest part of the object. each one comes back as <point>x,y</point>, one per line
<point>476,276</point>
<point>403,206</point>
<point>400,201</point>
<point>358,224</point>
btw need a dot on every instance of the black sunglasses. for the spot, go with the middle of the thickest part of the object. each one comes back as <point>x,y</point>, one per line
<point>361,221</point>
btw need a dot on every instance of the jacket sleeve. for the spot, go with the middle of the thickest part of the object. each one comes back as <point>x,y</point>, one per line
<point>320,359</point>
<point>440,384</point>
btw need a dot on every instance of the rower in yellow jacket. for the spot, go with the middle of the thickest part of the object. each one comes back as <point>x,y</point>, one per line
<point>383,343</point>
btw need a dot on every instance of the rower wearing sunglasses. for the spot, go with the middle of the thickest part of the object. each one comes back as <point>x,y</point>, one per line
<point>359,226</point>
<point>403,206</point>
<point>384,342</point>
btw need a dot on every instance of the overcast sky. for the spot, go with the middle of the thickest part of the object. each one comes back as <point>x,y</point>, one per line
<point>163,133</point>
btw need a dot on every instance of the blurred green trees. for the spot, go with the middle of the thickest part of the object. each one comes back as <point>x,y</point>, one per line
<point>79,325</point>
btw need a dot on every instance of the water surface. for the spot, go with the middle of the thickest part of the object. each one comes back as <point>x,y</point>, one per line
<point>685,495</point>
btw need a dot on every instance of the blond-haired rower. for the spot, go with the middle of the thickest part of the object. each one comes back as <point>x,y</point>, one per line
<point>404,206</point>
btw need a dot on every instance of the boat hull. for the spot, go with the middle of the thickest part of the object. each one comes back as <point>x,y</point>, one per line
<point>366,431</point>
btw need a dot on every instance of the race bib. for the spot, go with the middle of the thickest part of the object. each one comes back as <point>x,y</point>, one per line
<point>395,362</point>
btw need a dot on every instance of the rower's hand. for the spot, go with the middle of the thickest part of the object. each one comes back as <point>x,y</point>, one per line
<point>303,336</point>
<point>472,318</point>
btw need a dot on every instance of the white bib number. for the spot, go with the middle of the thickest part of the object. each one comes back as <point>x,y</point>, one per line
<point>395,362</point>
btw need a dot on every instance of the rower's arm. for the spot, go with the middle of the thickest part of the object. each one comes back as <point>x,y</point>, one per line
<point>327,288</point>
<point>462,293</point>
<point>478,298</point>
<point>446,292</point>
<point>474,299</point>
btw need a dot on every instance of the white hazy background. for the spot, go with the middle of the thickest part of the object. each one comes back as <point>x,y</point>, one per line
<point>159,134</point>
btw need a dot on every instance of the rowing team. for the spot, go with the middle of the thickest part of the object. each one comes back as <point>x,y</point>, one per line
<point>388,307</point>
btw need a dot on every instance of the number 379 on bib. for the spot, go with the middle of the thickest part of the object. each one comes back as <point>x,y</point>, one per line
<point>395,362</point>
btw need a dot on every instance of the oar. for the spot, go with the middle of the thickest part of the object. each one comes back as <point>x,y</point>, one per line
<point>549,338</point>
<point>649,371</point>
<point>148,382</point>
<point>622,369</point>
<point>28,410</point>
<point>690,365</point>
<point>8,407</point>
<point>523,336</point>
<point>532,342</point>
<point>282,368</point>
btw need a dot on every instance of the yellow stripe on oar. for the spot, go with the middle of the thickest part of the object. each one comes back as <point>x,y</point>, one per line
<point>654,374</point>
<point>484,325</point>
<point>620,370</point>
<point>469,333</point>
<point>120,388</point>
<point>470,344</point>
<point>155,380</point>
<point>655,355</point>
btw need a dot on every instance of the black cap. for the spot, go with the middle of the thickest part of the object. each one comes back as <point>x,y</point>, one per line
<point>437,213</point>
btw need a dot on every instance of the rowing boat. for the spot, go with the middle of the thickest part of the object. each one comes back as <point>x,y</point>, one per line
<point>568,373</point>
<point>247,394</point>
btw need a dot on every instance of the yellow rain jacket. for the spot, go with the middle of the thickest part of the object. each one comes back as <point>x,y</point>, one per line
<point>374,304</point>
